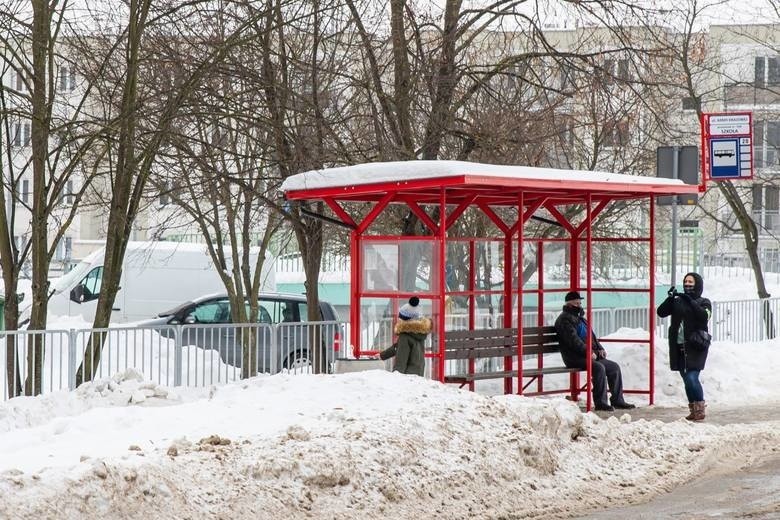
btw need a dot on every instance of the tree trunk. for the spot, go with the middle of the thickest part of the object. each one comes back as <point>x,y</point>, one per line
<point>39,221</point>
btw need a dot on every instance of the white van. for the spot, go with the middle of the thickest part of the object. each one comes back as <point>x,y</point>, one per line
<point>156,276</point>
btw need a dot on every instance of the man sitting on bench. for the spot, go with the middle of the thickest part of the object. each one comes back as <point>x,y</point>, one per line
<point>572,334</point>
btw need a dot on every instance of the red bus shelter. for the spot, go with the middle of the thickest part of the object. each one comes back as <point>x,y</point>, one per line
<point>441,267</point>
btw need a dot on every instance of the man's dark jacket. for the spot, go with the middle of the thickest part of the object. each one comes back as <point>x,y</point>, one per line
<point>573,347</point>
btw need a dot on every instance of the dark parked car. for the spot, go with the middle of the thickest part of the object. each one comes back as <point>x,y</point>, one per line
<point>207,324</point>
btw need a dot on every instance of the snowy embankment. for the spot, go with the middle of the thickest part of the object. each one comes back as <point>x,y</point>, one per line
<point>361,445</point>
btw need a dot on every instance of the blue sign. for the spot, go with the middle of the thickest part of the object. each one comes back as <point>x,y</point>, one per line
<point>725,158</point>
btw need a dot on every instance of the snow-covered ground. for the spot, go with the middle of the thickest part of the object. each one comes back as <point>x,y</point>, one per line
<point>366,445</point>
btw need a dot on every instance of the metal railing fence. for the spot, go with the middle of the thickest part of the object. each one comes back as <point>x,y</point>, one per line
<point>200,355</point>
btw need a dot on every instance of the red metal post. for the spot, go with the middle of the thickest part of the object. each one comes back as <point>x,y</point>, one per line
<point>574,281</point>
<point>442,232</point>
<point>472,301</point>
<point>540,309</point>
<point>651,313</point>
<point>507,310</point>
<point>354,280</point>
<point>589,268</point>
<point>521,243</point>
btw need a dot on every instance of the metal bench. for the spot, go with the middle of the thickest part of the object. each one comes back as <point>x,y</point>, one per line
<point>502,343</point>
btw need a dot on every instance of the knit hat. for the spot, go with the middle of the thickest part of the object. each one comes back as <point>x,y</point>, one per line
<point>410,311</point>
<point>572,295</point>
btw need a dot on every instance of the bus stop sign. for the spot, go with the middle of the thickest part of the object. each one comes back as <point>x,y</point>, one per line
<point>728,143</point>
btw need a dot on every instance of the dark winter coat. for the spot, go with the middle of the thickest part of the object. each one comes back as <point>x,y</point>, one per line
<point>693,312</point>
<point>573,348</point>
<point>409,350</point>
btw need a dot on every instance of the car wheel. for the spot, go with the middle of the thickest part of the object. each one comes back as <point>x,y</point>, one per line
<point>298,360</point>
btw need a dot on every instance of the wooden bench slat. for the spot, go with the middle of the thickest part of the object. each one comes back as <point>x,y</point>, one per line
<point>479,333</point>
<point>501,343</point>
<point>482,353</point>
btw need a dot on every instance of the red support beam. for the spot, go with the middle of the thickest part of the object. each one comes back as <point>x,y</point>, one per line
<point>417,210</point>
<point>593,215</point>
<point>496,220</point>
<point>560,218</point>
<point>374,213</point>
<point>457,212</point>
<point>339,211</point>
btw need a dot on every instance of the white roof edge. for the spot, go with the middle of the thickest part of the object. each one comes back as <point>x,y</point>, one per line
<point>399,171</point>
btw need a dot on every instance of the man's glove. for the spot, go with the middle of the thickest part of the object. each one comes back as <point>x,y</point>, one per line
<point>672,292</point>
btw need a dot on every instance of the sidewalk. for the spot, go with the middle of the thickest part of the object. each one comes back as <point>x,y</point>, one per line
<point>716,414</point>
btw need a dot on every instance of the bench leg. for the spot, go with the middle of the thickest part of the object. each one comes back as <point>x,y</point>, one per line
<point>574,385</point>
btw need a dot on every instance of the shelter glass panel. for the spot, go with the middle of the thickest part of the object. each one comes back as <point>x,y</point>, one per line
<point>420,266</point>
<point>378,317</point>
<point>489,263</point>
<point>457,266</point>
<point>380,266</point>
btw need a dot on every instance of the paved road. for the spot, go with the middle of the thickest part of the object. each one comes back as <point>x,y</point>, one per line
<point>751,494</point>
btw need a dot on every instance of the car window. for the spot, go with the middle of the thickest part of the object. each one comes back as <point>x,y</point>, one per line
<point>217,311</point>
<point>273,309</point>
<point>288,311</point>
<point>92,283</point>
<point>303,311</point>
<point>263,316</point>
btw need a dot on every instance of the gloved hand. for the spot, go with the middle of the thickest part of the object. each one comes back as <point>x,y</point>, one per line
<point>672,292</point>
<point>684,296</point>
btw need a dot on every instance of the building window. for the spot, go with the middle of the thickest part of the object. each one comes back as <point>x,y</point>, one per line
<point>766,141</point>
<point>688,103</point>
<point>767,71</point>
<point>615,70</point>
<point>165,197</point>
<point>67,79</point>
<point>20,133</point>
<point>64,249</point>
<point>564,130</point>
<point>17,81</point>
<point>615,133</point>
<point>766,207</point>
<point>23,191</point>
<point>66,197</point>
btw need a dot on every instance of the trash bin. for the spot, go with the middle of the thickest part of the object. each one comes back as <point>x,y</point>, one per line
<point>345,366</point>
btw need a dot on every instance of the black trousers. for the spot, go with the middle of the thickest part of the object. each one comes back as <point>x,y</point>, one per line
<point>605,374</point>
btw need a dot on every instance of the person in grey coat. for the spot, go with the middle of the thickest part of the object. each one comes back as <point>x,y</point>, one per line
<point>412,329</point>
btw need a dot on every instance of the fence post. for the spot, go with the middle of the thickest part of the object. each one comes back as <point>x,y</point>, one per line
<point>273,334</point>
<point>714,321</point>
<point>72,359</point>
<point>177,357</point>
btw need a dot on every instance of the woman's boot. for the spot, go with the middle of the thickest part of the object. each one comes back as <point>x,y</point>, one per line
<point>698,410</point>
<point>690,415</point>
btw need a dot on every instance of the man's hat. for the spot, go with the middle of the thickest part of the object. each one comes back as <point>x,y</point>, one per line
<point>572,295</point>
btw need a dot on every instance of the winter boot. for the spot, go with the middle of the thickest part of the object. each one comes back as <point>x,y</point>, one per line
<point>698,410</point>
<point>690,416</point>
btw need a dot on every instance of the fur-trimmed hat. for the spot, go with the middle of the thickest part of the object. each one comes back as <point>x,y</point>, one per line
<point>410,311</point>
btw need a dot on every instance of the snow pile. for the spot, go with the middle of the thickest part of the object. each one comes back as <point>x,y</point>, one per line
<point>361,445</point>
<point>125,388</point>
